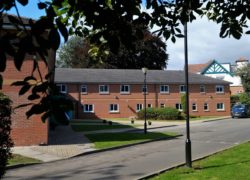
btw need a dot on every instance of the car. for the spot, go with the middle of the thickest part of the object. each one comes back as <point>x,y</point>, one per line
<point>240,110</point>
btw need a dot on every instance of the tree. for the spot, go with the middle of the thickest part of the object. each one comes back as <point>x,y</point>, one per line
<point>244,98</point>
<point>5,127</point>
<point>149,52</point>
<point>108,25</point>
<point>244,74</point>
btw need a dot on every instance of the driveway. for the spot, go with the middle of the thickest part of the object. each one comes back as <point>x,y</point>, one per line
<point>141,160</point>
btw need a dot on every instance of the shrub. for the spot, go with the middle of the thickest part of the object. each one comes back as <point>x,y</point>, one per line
<point>167,113</point>
<point>5,128</point>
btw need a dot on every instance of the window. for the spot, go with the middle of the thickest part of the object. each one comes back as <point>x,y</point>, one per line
<point>219,89</point>
<point>182,88</point>
<point>62,88</point>
<point>84,89</point>
<point>194,107</point>
<point>103,89</point>
<point>144,89</point>
<point>88,108</point>
<point>206,107</point>
<point>162,105</point>
<point>113,108</point>
<point>164,89</point>
<point>220,107</point>
<point>139,107</point>
<point>125,89</point>
<point>178,106</point>
<point>202,89</point>
<point>150,106</point>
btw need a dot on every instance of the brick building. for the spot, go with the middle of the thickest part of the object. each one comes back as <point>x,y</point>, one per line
<point>114,93</point>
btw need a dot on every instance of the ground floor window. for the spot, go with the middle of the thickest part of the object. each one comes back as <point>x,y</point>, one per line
<point>194,107</point>
<point>220,106</point>
<point>178,106</point>
<point>162,105</point>
<point>150,106</point>
<point>139,107</point>
<point>206,108</point>
<point>113,108</point>
<point>88,108</point>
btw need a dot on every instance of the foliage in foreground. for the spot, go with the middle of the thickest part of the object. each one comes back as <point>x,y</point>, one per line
<point>167,113</point>
<point>232,164</point>
<point>5,128</point>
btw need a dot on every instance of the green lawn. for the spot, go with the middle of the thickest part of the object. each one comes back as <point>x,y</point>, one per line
<point>107,140</point>
<point>18,159</point>
<point>232,164</point>
<point>95,127</point>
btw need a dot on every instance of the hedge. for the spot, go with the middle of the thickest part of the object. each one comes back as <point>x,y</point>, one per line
<point>167,113</point>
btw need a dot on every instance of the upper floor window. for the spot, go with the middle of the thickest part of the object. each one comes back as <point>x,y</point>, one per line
<point>103,89</point>
<point>194,107</point>
<point>164,89</point>
<point>202,89</point>
<point>139,107</point>
<point>144,88</point>
<point>220,107</point>
<point>125,89</point>
<point>178,106</point>
<point>84,89</point>
<point>182,88</point>
<point>205,107</point>
<point>219,89</point>
<point>113,108</point>
<point>88,108</point>
<point>62,88</point>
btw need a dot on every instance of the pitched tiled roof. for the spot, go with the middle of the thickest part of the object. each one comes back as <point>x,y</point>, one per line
<point>195,68</point>
<point>69,75</point>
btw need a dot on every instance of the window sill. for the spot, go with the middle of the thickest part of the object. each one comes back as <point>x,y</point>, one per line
<point>125,93</point>
<point>203,93</point>
<point>84,93</point>
<point>220,110</point>
<point>194,110</point>
<point>88,112</point>
<point>206,111</point>
<point>104,93</point>
<point>164,93</point>
<point>114,112</point>
<point>220,93</point>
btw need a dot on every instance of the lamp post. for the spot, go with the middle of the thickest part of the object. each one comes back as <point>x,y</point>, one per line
<point>188,141</point>
<point>144,70</point>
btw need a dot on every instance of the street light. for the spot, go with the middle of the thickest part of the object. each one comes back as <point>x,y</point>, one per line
<point>188,141</point>
<point>144,70</point>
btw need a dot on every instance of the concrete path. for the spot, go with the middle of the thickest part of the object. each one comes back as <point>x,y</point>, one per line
<point>142,160</point>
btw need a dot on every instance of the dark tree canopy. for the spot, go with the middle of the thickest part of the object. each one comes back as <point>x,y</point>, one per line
<point>108,25</point>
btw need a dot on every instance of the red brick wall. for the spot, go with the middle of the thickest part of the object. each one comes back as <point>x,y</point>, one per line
<point>127,102</point>
<point>24,131</point>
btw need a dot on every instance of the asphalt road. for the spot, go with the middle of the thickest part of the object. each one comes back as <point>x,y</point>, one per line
<point>141,160</point>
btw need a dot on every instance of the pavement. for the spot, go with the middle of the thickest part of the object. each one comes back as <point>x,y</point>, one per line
<point>65,143</point>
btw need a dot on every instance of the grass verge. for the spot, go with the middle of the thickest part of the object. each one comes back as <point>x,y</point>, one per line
<point>232,164</point>
<point>108,140</point>
<point>18,159</point>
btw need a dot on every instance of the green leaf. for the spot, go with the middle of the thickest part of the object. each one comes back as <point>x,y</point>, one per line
<point>29,78</point>
<point>45,116</point>
<point>2,61</point>
<point>40,88</point>
<point>248,32</point>
<point>35,109</point>
<point>18,59</point>
<point>24,89</point>
<point>54,39</point>
<point>42,5</point>
<point>18,83</point>
<point>23,105</point>
<point>33,97</point>
<point>23,2</point>
<point>62,28</point>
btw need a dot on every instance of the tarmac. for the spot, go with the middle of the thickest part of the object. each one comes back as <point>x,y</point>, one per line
<point>65,143</point>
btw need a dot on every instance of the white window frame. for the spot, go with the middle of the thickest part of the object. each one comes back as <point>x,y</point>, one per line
<point>162,105</point>
<point>202,87</point>
<point>139,107</point>
<point>114,108</point>
<point>194,105</point>
<point>122,87</point>
<point>178,106</point>
<point>181,87</point>
<point>86,110</point>
<point>163,89</point>
<point>219,89</point>
<point>205,104</point>
<point>84,87</point>
<point>103,92</point>
<point>60,86</point>
<point>220,108</point>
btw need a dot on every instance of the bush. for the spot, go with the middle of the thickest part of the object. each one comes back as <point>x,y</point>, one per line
<point>167,113</point>
<point>5,128</point>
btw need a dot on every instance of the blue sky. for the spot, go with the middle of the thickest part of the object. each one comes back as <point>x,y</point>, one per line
<point>203,41</point>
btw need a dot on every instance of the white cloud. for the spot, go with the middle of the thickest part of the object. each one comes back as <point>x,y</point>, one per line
<point>205,44</point>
